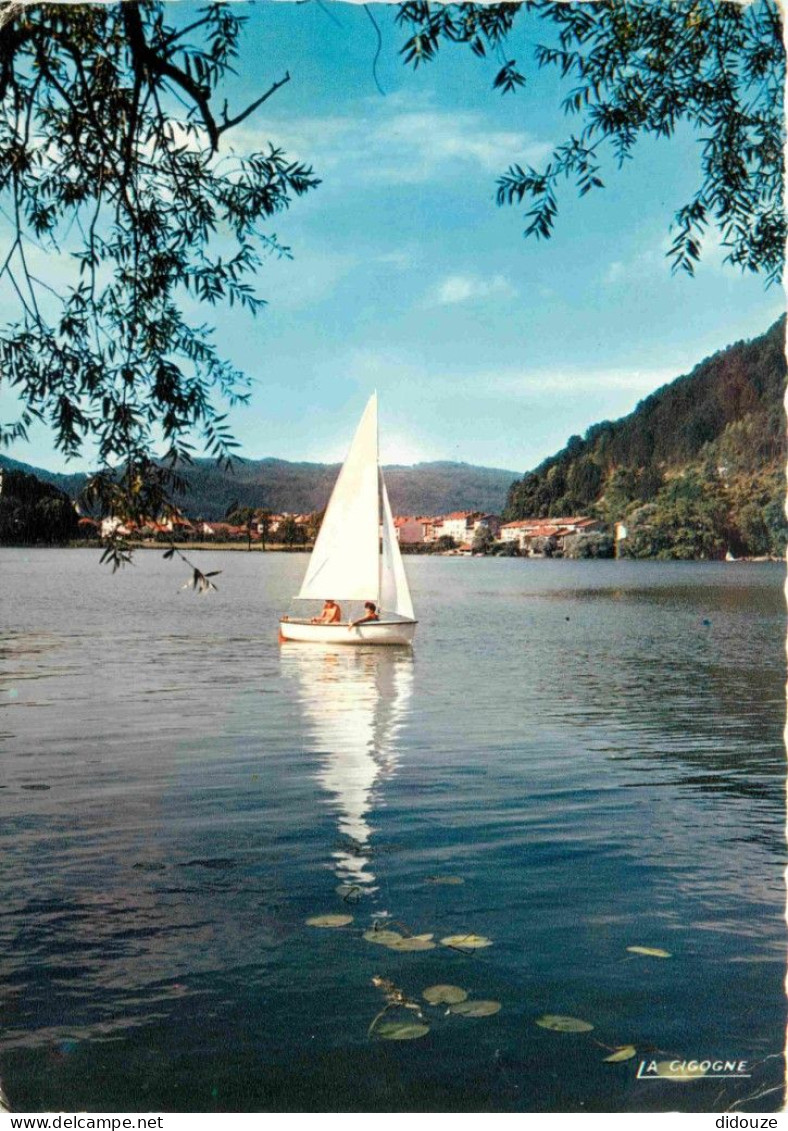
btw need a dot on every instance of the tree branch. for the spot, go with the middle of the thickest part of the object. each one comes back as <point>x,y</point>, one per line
<point>144,56</point>
<point>227,123</point>
<point>176,35</point>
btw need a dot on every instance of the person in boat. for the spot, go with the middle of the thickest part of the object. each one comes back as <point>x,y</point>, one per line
<point>370,613</point>
<point>331,614</point>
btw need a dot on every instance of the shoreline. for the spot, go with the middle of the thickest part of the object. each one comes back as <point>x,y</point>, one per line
<point>278,548</point>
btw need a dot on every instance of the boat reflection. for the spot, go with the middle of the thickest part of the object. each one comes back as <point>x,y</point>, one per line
<point>354,702</point>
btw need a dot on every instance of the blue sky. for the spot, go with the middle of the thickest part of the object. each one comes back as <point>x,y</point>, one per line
<point>406,277</point>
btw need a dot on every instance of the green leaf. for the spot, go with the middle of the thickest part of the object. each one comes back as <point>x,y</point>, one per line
<point>401,1030</point>
<point>623,1052</point>
<point>559,1023</point>
<point>467,942</point>
<point>444,994</point>
<point>415,942</point>
<point>329,920</point>
<point>476,1008</point>
<point>349,892</point>
<point>382,938</point>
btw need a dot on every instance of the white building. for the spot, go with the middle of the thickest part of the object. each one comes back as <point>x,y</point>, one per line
<point>524,530</point>
<point>459,525</point>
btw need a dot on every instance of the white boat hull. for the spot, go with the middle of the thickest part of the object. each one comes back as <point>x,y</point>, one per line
<point>374,632</point>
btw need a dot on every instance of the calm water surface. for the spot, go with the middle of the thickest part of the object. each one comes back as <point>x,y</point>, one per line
<point>593,749</point>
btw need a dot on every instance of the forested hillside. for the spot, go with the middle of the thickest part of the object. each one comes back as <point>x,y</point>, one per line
<point>278,485</point>
<point>34,513</point>
<point>697,470</point>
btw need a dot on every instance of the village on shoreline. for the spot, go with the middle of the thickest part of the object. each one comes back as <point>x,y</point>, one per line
<point>459,533</point>
<point>35,513</point>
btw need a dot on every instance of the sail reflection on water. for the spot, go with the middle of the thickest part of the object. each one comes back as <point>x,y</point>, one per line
<point>354,702</point>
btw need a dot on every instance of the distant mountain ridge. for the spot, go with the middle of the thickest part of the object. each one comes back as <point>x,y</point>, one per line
<point>282,486</point>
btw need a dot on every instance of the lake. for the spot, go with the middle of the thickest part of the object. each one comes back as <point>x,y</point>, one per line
<point>576,758</point>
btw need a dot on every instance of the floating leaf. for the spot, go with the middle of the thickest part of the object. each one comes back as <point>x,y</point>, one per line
<point>349,892</point>
<point>329,920</point>
<point>382,937</point>
<point>652,951</point>
<point>476,1008</point>
<point>415,942</point>
<point>448,880</point>
<point>401,1030</point>
<point>623,1052</point>
<point>560,1024</point>
<point>680,1071</point>
<point>444,995</point>
<point>470,942</point>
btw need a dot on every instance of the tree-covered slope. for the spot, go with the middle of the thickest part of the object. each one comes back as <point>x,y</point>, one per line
<point>695,471</point>
<point>32,512</point>
<point>70,484</point>
<point>278,485</point>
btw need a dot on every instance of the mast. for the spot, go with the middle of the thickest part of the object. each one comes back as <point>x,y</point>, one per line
<point>380,516</point>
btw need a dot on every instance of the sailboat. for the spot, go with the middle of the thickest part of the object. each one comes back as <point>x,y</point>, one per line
<point>350,561</point>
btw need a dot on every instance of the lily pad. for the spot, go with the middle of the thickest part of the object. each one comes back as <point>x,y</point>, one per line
<point>382,937</point>
<point>444,995</point>
<point>349,891</point>
<point>415,942</point>
<point>652,951</point>
<point>329,920</point>
<point>401,1030</point>
<point>468,942</point>
<point>560,1024</point>
<point>679,1071</point>
<point>623,1052</point>
<point>448,880</point>
<point>476,1008</point>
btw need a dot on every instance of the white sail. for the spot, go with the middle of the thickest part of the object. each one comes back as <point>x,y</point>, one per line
<point>344,565</point>
<point>394,591</point>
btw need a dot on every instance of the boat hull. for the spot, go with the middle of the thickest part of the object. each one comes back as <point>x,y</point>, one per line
<point>373,632</point>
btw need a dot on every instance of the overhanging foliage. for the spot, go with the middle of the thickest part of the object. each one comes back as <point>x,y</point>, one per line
<point>110,142</point>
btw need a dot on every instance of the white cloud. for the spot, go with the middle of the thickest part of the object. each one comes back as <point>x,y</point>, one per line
<point>395,448</point>
<point>464,288</point>
<point>417,145</point>
<point>653,261</point>
<point>643,264</point>
<point>400,370</point>
<point>395,143</point>
<point>402,448</point>
<point>508,416</point>
<point>540,384</point>
<point>400,258</point>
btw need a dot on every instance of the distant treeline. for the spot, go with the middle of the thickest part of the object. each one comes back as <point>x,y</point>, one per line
<point>697,470</point>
